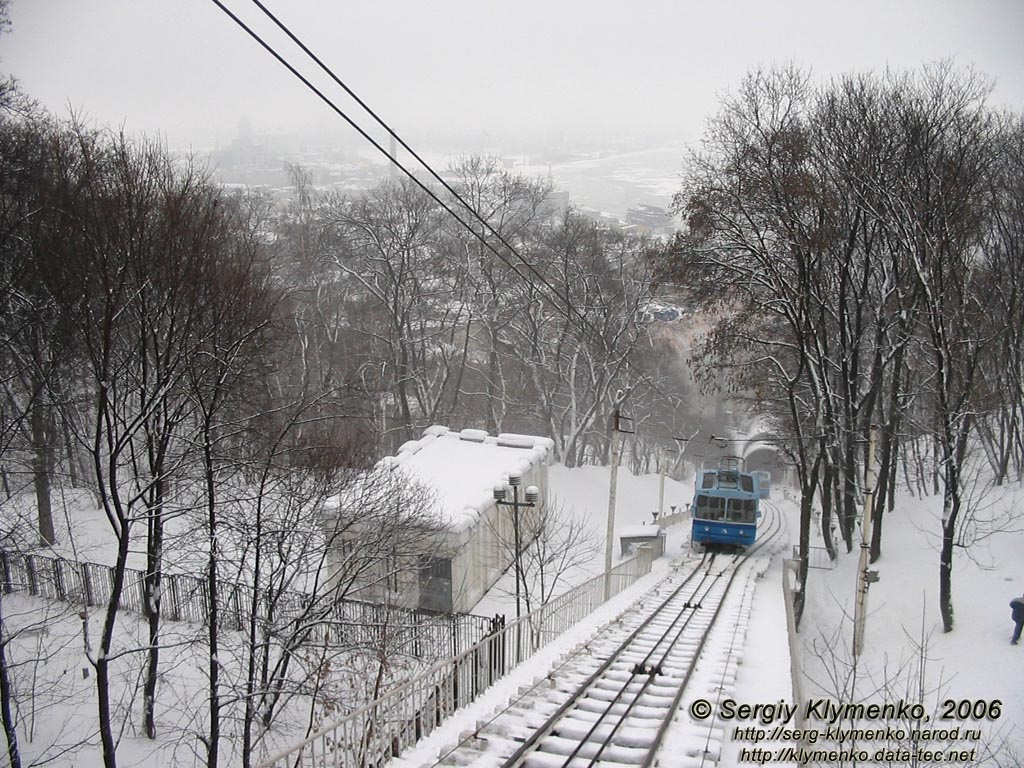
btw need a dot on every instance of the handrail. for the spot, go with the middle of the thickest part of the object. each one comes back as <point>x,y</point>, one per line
<point>377,731</point>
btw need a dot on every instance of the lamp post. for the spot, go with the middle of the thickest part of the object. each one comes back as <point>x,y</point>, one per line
<point>515,480</point>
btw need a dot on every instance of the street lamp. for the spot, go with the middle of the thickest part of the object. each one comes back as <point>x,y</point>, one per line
<point>515,480</point>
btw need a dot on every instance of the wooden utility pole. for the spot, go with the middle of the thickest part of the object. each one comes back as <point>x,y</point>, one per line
<point>864,576</point>
<point>661,495</point>
<point>615,435</point>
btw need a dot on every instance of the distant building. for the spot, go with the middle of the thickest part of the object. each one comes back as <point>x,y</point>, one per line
<point>601,217</point>
<point>459,470</point>
<point>650,218</point>
<point>654,311</point>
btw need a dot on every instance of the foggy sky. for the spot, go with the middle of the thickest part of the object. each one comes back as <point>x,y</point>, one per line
<point>182,69</point>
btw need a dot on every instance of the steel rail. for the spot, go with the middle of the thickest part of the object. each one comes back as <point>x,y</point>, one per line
<point>640,669</point>
<point>663,729</point>
<point>603,667</point>
<point>551,724</point>
<point>526,691</point>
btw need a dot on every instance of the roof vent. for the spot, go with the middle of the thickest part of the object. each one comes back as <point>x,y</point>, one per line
<point>516,441</point>
<point>473,435</point>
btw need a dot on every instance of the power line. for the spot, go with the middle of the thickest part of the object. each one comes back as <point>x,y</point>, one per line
<point>569,307</point>
<point>341,113</point>
<point>391,132</point>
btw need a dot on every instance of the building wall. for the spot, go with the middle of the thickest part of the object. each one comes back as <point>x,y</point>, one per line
<point>485,550</point>
<point>458,565</point>
<point>395,581</point>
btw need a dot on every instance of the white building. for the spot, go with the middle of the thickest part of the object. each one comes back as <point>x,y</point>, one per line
<point>460,470</point>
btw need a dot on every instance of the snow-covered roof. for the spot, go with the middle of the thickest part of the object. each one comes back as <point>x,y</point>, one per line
<point>638,531</point>
<point>462,468</point>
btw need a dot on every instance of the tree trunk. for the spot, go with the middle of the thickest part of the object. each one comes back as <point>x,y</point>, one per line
<point>885,478</point>
<point>826,511</point>
<point>847,502</point>
<point>69,450</point>
<point>897,450</point>
<point>212,585</point>
<point>946,575</point>
<point>154,568</point>
<point>6,697</point>
<point>253,630</point>
<point>41,466</point>
<point>103,658</point>
<point>806,508</point>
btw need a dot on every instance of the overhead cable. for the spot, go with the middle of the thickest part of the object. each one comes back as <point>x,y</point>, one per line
<point>341,113</point>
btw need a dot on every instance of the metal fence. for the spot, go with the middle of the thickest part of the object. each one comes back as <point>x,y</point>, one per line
<point>677,517</point>
<point>817,557</point>
<point>349,623</point>
<point>372,735</point>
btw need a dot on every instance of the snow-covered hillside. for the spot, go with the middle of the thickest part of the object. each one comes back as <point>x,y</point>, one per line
<point>974,663</point>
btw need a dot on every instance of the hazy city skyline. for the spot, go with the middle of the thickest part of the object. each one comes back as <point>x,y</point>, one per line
<point>530,69</point>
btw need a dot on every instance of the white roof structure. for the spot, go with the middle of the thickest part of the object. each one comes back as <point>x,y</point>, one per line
<point>462,468</point>
<point>638,531</point>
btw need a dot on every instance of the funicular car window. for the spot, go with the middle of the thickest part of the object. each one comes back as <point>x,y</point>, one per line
<point>733,512</point>
<point>703,506</point>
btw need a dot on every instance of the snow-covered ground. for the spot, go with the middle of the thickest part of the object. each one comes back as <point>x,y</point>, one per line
<point>582,494</point>
<point>974,663</point>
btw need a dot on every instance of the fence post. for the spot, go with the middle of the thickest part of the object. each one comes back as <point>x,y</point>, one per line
<point>58,580</point>
<point>87,583</point>
<point>30,569</point>
<point>8,586</point>
<point>172,582</point>
<point>455,640</point>
<point>143,592</point>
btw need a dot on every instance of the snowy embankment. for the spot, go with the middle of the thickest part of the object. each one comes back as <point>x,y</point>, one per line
<point>974,662</point>
<point>754,612</point>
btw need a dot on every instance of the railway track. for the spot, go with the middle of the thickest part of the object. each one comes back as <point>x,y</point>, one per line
<point>611,702</point>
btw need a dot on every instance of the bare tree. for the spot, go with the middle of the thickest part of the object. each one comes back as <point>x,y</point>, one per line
<point>34,351</point>
<point>517,209</point>
<point>549,550</point>
<point>940,215</point>
<point>839,236</point>
<point>137,253</point>
<point>388,251</point>
<point>571,356</point>
<point>755,252</point>
<point>366,544</point>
